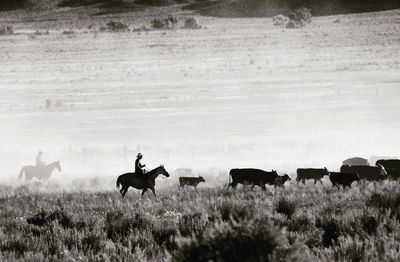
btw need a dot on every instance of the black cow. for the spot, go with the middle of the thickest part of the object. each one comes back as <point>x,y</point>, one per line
<point>190,181</point>
<point>370,173</point>
<point>256,177</point>
<point>356,161</point>
<point>374,159</point>
<point>311,173</point>
<point>389,163</point>
<point>343,179</point>
<point>393,173</point>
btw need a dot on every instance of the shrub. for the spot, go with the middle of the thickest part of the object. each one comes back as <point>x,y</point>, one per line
<point>369,224</point>
<point>299,17</point>
<point>62,217</point>
<point>168,23</point>
<point>243,242</point>
<point>68,32</point>
<point>331,230</point>
<point>17,246</point>
<point>43,218</point>
<point>164,236</point>
<point>114,26</point>
<point>191,224</point>
<point>39,219</point>
<point>293,24</point>
<point>93,242</point>
<point>300,224</point>
<point>286,207</point>
<point>352,250</point>
<point>118,226</point>
<point>386,201</point>
<point>236,212</point>
<point>191,23</point>
<point>280,20</point>
<point>6,30</point>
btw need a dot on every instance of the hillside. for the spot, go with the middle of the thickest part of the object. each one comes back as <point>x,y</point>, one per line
<point>218,8</point>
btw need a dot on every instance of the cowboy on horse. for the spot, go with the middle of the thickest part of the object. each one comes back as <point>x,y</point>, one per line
<point>139,168</point>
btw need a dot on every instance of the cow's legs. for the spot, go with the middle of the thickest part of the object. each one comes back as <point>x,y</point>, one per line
<point>144,191</point>
<point>153,190</point>
<point>263,187</point>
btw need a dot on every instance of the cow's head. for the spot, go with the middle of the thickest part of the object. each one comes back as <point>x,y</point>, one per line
<point>201,179</point>
<point>274,172</point>
<point>280,180</point>
<point>285,178</point>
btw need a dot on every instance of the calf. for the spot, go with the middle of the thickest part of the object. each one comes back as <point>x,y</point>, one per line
<point>311,173</point>
<point>190,181</point>
<point>370,173</point>
<point>256,177</point>
<point>343,179</point>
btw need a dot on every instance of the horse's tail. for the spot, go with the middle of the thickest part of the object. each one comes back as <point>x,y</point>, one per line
<point>118,181</point>
<point>21,172</point>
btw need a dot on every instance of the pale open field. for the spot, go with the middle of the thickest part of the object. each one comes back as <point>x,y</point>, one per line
<point>239,92</point>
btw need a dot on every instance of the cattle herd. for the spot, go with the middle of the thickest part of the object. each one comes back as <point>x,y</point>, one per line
<point>352,169</point>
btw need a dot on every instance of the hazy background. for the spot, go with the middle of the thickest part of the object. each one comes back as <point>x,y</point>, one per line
<point>237,93</point>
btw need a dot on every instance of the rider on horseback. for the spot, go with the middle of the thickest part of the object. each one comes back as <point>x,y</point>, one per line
<point>138,166</point>
<point>39,159</point>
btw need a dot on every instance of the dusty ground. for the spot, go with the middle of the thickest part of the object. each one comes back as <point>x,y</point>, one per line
<point>239,92</point>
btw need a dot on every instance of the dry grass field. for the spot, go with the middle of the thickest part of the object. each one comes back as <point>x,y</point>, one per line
<point>294,223</point>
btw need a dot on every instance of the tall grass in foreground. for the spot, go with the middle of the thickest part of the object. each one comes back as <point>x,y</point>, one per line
<point>295,223</point>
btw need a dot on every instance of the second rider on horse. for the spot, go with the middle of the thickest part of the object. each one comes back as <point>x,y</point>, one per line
<point>39,159</point>
<point>139,168</point>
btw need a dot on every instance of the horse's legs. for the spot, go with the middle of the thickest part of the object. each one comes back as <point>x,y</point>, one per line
<point>125,190</point>
<point>154,191</point>
<point>144,191</point>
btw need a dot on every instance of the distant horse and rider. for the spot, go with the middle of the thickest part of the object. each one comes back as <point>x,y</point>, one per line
<point>40,171</point>
<point>140,179</point>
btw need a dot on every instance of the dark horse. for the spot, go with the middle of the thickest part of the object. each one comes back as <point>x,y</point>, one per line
<point>40,172</point>
<point>139,181</point>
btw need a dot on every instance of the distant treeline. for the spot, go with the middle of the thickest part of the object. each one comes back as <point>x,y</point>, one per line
<point>6,5</point>
<point>268,8</point>
<point>223,8</point>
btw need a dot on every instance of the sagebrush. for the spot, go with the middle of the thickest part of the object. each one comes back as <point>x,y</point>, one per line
<point>291,223</point>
